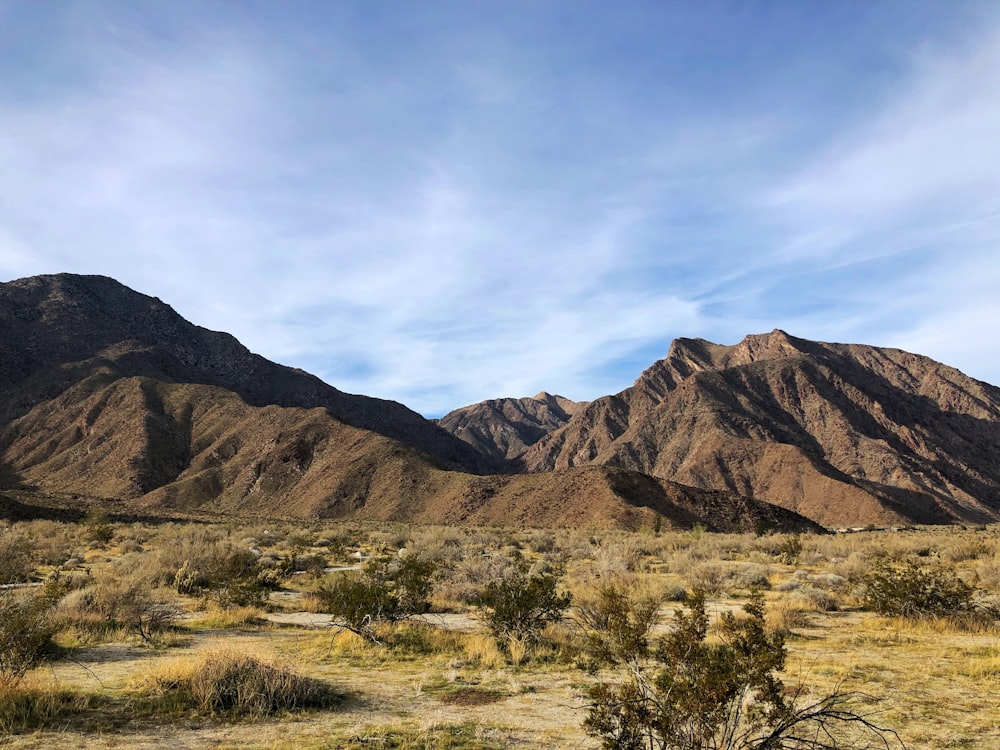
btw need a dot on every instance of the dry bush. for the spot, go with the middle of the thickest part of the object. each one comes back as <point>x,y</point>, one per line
<point>461,583</point>
<point>105,607</point>
<point>853,568</point>
<point>200,562</point>
<point>617,558</point>
<point>967,547</point>
<point>812,599</point>
<point>709,577</point>
<point>749,576</point>
<point>17,556</point>
<point>55,542</point>
<point>785,616</point>
<point>482,650</point>
<point>235,685</point>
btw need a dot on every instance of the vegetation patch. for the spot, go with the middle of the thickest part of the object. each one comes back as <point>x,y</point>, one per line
<point>233,685</point>
<point>465,736</point>
<point>471,696</point>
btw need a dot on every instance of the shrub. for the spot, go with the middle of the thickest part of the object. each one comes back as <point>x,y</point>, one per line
<point>386,590</point>
<point>789,550</point>
<point>17,557</point>
<point>26,629</point>
<point>519,606</point>
<point>236,685</point>
<point>914,590</point>
<point>618,623</point>
<point>130,605</point>
<point>227,575</point>
<point>689,693</point>
<point>100,530</point>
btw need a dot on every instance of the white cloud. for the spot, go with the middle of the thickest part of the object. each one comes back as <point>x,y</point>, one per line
<point>474,222</point>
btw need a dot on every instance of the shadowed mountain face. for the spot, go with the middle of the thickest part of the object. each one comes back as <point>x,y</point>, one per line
<point>58,330</point>
<point>107,393</point>
<point>504,427</point>
<point>843,434</point>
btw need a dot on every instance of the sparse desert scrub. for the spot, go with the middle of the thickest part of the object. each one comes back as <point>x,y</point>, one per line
<point>426,669</point>
<point>107,606</point>
<point>230,684</point>
<point>27,627</point>
<point>37,704</point>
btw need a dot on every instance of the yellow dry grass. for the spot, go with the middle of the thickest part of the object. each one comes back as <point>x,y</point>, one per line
<point>428,685</point>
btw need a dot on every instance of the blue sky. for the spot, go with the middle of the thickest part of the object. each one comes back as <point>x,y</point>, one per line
<point>443,202</point>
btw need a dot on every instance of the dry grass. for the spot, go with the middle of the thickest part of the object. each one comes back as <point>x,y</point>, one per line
<point>231,684</point>
<point>428,686</point>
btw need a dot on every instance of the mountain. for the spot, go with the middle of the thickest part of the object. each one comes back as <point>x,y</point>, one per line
<point>59,330</point>
<point>844,434</point>
<point>107,395</point>
<point>503,428</point>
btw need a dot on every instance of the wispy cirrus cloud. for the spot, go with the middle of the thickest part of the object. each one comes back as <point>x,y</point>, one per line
<point>441,204</point>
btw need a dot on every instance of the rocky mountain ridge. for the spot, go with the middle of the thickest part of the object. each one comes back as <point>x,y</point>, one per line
<point>845,434</point>
<point>109,395</point>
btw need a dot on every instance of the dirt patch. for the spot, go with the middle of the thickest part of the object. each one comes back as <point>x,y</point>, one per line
<point>470,696</point>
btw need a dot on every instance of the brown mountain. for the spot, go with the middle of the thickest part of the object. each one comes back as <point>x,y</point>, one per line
<point>59,330</point>
<point>108,394</point>
<point>504,427</point>
<point>843,434</point>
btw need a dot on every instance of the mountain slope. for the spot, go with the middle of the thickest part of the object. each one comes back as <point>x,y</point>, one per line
<point>106,394</point>
<point>844,434</point>
<point>58,329</point>
<point>504,427</point>
<point>191,448</point>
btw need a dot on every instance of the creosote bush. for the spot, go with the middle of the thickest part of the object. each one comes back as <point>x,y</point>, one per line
<point>690,693</point>
<point>518,607</point>
<point>386,591</point>
<point>26,629</point>
<point>915,590</point>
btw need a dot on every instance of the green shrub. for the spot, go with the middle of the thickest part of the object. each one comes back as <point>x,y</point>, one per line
<point>520,605</point>
<point>914,590</point>
<point>227,575</point>
<point>26,629</point>
<point>688,693</point>
<point>386,590</point>
<point>100,530</point>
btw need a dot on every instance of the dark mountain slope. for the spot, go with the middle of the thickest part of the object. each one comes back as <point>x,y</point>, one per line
<point>57,330</point>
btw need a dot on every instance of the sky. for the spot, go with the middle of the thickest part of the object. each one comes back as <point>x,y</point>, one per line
<point>442,202</point>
